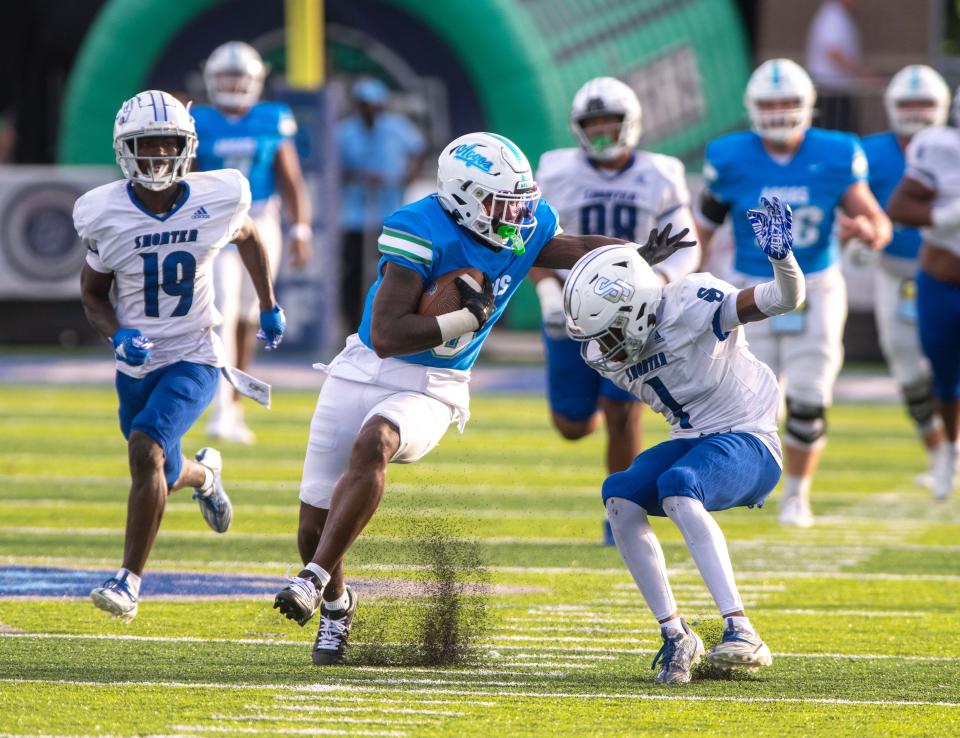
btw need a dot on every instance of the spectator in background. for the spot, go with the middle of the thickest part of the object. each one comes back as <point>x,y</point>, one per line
<point>834,62</point>
<point>380,154</point>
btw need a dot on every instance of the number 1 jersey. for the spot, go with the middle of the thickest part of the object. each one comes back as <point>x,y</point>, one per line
<point>702,379</point>
<point>163,264</point>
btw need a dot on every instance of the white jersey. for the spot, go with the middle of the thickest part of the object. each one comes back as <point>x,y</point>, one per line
<point>933,159</point>
<point>650,192</point>
<point>163,265</point>
<point>699,378</point>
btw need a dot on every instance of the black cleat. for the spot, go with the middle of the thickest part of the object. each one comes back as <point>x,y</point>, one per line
<point>298,600</point>
<point>331,644</point>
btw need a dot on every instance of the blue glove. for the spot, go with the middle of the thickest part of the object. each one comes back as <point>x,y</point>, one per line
<point>773,228</point>
<point>272,324</point>
<point>131,346</point>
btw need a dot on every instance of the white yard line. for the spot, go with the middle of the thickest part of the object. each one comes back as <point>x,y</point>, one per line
<point>378,686</point>
<point>495,643</point>
<point>287,731</point>
<point>373,699</point>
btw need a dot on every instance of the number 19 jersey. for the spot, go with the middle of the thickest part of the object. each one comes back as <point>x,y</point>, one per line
<point>702,379</point>
<point>163,264</point>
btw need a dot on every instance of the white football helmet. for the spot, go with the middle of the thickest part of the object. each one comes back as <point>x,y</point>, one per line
<point>610,301</point>
<point>912,84</point>
<point>153,113</point>
<point>485,182</point>
<point>606,96</point>
<point>779,80</point>
<point>234,75</point>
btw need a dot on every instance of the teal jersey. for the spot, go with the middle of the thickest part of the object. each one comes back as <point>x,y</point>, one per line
<point>887,164</point>
<point>739,171</point>
<point>248,142</point>
<point>424,238</point>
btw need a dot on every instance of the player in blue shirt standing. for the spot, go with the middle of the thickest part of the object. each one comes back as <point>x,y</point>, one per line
<point>916,98</point>
<point>399,383</point>
<point>237,132</point>
<point>815,172</point>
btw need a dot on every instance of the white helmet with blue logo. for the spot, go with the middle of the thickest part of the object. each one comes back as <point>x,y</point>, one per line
<point>914,84</point>
<point>610,301</point>
<point>485,182</point>
<point>780,81</point>
<point>150,114</point>
<point>602,96</point>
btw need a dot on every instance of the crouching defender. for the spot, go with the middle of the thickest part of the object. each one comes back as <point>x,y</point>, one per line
<point>678,349</point>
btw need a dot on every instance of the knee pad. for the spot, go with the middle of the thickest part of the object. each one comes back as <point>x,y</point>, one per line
<point>806,424</point>
<point>919,399</point>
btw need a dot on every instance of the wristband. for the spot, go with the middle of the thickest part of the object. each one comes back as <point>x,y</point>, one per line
<point>301,231</point>
<point>455,324</point>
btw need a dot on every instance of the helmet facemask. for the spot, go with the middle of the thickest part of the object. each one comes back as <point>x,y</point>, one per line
<point>779,119</point>
<point>234,89</point>
<point>155,172</point>
<point>617,347</point>
<point>602,135</point>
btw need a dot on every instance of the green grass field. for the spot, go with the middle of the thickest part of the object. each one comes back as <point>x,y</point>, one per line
<point>861,611</point>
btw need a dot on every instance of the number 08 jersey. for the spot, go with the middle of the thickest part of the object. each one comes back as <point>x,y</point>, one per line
<point>702,379</point>
<point>163,264</point>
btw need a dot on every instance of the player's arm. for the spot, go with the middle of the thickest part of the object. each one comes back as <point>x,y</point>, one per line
<point>95,297</point>
<point>396,329</point>
<point>254,256</point>
<point>912,204</point>
<point>550,293</point>
<point>863,218</point>
<point>685,261</point>
<point>787,291</point>
<point>563,250</point>
<point>293,192</point>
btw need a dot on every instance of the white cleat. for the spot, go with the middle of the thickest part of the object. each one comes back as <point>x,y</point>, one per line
<point>740,649</point>
<point>677,657</point>
<point>214,503</point>
<point>115,597</point>
<point>796,511</point>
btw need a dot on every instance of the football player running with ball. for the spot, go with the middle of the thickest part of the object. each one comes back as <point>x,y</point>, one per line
<point>815,172</point>
<point>916,98</point>
<point>399,383</point>
<point>605,186</point>
<point>680,350</point>
<point>147,286</point>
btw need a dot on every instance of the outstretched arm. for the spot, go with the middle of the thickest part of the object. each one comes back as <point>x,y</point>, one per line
<point>254,256</point>
<point>773,227</point>
<point>562,251</point>
<point>293,192</point>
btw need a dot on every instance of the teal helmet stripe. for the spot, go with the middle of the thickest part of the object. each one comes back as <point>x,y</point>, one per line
<point>915,78</point>
<point>509,144</point>
<point>776,74</point>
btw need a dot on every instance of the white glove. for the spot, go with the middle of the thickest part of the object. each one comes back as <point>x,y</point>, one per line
<point>551,308</point>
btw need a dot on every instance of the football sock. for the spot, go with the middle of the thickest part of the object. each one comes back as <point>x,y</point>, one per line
<point>742,623</point>
<point>797,487</point>
<point>340,603</point>
<point>133,581</point>
<point>641,552</point>
<point>672,627</point>
<point>708,547</point>
<point>317,573</point>
<point>207,485</point>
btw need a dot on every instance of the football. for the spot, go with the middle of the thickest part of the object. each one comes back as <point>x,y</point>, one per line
<point>443,296</point>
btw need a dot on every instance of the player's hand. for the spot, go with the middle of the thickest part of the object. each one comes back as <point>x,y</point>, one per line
<point>554,321</point>
<point>773,227</point>
<point>661,245</point>
<point>479,303</point>
<point>300,252</point>
<point>272,324</point>
<point>131,346</point>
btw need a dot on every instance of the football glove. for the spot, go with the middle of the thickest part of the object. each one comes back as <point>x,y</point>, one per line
<point>272,324</point>
<point>479,303</point>
<point>131,347</point>
<point>661,245</point>
<point>773,228</point>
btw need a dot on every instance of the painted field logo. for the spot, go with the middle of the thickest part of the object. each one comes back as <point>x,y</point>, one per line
<point>468,154</point>
<point>614,290</point>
